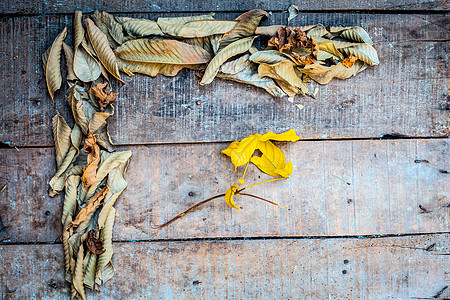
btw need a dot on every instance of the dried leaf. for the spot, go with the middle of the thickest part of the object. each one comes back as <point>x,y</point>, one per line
<point>101,47</point>
<point>284,71</point>
<point>70,199</point>
<point>229,196</point>
<point>103,138</point>
<point>78,274</point>
<point>273,29</point>
<point>301,48</point>
<point>153,69</point>
<point>90,207</point>
<point>78,29</point>
<point>269,57</point>
<point>349,61</point>
<point>68,54</point>
<point>52,64</point>
<point>86,67</point>
<point>90,268</point>
<point>330,48</point>
<point>247,73</point>
<point>93,244</point>
<point>57,181</point>
<point>162,51</point>
<point>196,29</point>
<point>293,12</point>
<point>142,28</point>
<point>323,74</point>
<point>110,27</point>
<point>104,96</point>
<point>246,26</point>
<point>104,267</point>
<point>231,50</point>
<point>356,34</point>
<point>91,147</point>
<point>110,162</point>
<point>61,137</point>
<point>364,52</point>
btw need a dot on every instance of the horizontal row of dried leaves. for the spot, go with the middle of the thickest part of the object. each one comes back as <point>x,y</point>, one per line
<point>279,59</point>
<point>289,56</point>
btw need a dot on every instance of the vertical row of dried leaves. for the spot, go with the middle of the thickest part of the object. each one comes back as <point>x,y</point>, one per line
<point>88,169</point>
<point>278,58</point>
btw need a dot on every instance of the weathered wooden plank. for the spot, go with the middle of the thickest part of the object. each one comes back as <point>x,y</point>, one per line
<point>337,188</point>
<point>57,7</point>
<point>407,93</point>
<point>379,268</point>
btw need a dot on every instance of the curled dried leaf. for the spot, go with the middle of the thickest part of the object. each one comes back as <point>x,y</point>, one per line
<point>246,26</point>
<point>93,150</point>
<point>296,43</point>
<point>93,244</point>
<point>61,137</point>
<point>104,96</point>
<point>229,196</point>
<point>231,50</point>
<point>90,207</point>
<point>349,61</point>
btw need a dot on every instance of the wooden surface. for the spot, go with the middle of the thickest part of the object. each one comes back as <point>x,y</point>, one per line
<point>406,93</point>
<point>116,6</point>
<point>376,268</point>
<point>337,188</point>
<point>368,219</point>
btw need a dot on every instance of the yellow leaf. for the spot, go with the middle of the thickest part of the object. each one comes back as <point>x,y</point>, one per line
<point>272,153</point>
<point>230,148</point>
<point>286,171</point>
<point>229,196</point>
<point>264,164</point>
<point>241,155</point>
<point>288,136</point>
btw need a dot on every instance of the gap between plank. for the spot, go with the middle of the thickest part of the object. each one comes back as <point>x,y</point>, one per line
<point>253,238</point>
<point>384,137</point>
<point>324,11</point>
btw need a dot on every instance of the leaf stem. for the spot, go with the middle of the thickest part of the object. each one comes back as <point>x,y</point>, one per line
<point>257,197</point>
<point>243,175</point>
<point>159,227</point>
<point>274,179</point>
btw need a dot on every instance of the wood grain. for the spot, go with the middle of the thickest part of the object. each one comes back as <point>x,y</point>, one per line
<point>407,93</point>
<point>380,268</point>
<point>337,188</point>
<point>58,7</point>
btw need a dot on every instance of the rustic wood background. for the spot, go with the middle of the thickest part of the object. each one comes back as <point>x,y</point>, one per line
<point>370,195</point>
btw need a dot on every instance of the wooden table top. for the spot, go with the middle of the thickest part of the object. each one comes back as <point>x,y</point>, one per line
<point>369,197</point>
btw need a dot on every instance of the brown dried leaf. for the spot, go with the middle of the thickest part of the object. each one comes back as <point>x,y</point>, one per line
<point>248,22</point>
<point>93,150</point>
<point>297,44</point>
<point>93,244</point>
<point>52,64</point>
<point>68,54</point>
<point>349,61</point>
<point>162,51</point>
<point>90,207</point>
<point>101,47</point>
<point>104,96</point>
<point>61,137</point>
